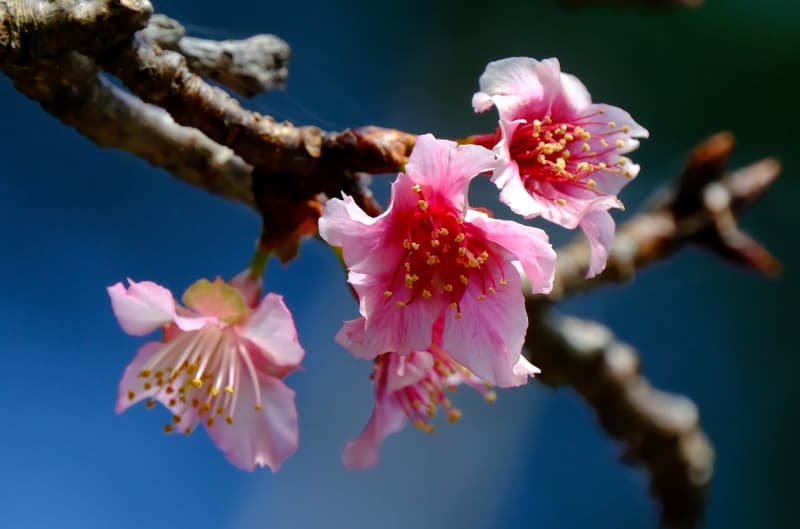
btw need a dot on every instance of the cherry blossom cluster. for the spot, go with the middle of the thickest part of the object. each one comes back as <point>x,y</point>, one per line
<point>439,283</point>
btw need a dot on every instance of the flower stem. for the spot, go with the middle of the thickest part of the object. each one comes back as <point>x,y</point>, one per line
<point>258,263</point>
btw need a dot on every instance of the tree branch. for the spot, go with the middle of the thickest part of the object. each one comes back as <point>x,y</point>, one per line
<point>203,136</point>
<point>37,28</point>
<point>75,94</point>
<point>249,67</point>
<point>660,431</point>
<point>701,210</point>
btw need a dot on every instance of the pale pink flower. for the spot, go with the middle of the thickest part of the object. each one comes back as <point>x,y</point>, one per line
<point>412,387</point>
<point>220,364</point>
<point>559,155</point>
<point>428,255</point>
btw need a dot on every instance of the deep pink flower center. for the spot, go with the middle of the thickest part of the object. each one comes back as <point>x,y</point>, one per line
<point>443,256</point>
<point>548,151</point>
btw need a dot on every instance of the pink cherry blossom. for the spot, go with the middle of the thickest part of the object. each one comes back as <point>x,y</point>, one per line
<point>221,363</point>
<point>430,256</point>
<point>412,387</point>
<point>559,155</point>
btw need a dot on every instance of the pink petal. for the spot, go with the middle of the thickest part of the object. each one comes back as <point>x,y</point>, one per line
<point>193,323</point>
<point>574,95</point>
<point>443,167</point>
<point>406,370</point>
<point>509,84</point>
<point>599,229</point>
<point>523,368</point>
<point>528,245</point>
<point>259,437</point>
<point>132,382</point>
<point>344,224</point>
<point>577,202</point>
<point>387,418</point>
<point>351,337</point>
<point>392,328</point>
<point>272,329</point>
<point>488,337</point>
<point>142,307</point>
<point>249,287</point>
<point>620,117</point>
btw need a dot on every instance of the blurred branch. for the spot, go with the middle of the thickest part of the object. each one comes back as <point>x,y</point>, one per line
<point>249,67</point>
<point>71,91</point>
<point>659,430</point>
<point>701,210</point>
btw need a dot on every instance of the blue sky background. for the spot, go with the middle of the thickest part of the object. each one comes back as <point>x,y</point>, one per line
<point>75,218</point>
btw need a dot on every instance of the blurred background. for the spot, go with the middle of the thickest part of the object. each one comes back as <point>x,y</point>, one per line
<point>75,218</point>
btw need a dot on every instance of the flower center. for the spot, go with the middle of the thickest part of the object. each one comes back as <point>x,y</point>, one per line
<point>443,256</point>
<point>198,375</point>
<point>552,152</point>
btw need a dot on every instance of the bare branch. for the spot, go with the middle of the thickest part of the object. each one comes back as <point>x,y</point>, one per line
<point>74,93</point>
<point>249,66</point>
<point>66,25</point>
<point>702,210</point>
<point>658,430</point>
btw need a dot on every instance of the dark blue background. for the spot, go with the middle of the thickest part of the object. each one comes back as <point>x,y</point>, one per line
<point>74,219</point>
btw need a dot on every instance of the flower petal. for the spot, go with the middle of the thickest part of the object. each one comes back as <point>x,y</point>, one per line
<point>406,370</point>
<point>130,386</point>
<point>488,337</point>
<point>387,418</point>
<point>574,96</point>
<point>259,437</point>
<point>351,337</point>
<point>508,84</point>
<point>142,307</point>
<point>599,229</point>
<point>523,368</point>
<point>249,287</point>
<point>392,328</point>
<point>272,329</point>
<point>528,245</point>
<point>344,224</point>
<point>445,168</point>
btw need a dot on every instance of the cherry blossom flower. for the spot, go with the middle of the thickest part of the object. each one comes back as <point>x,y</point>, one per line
<point>559,155</point>
<point>221,363</point>
<point>429,255</point>
<point>412,387</point>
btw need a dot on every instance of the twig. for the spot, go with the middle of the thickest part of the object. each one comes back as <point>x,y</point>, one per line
<point>660,431</point>
<point>249,66</point>
<point>702,210</point>
<point>292,165</point>
<point>70,89</point>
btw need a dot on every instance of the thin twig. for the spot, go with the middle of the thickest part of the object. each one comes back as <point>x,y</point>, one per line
<point>249,66</point>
